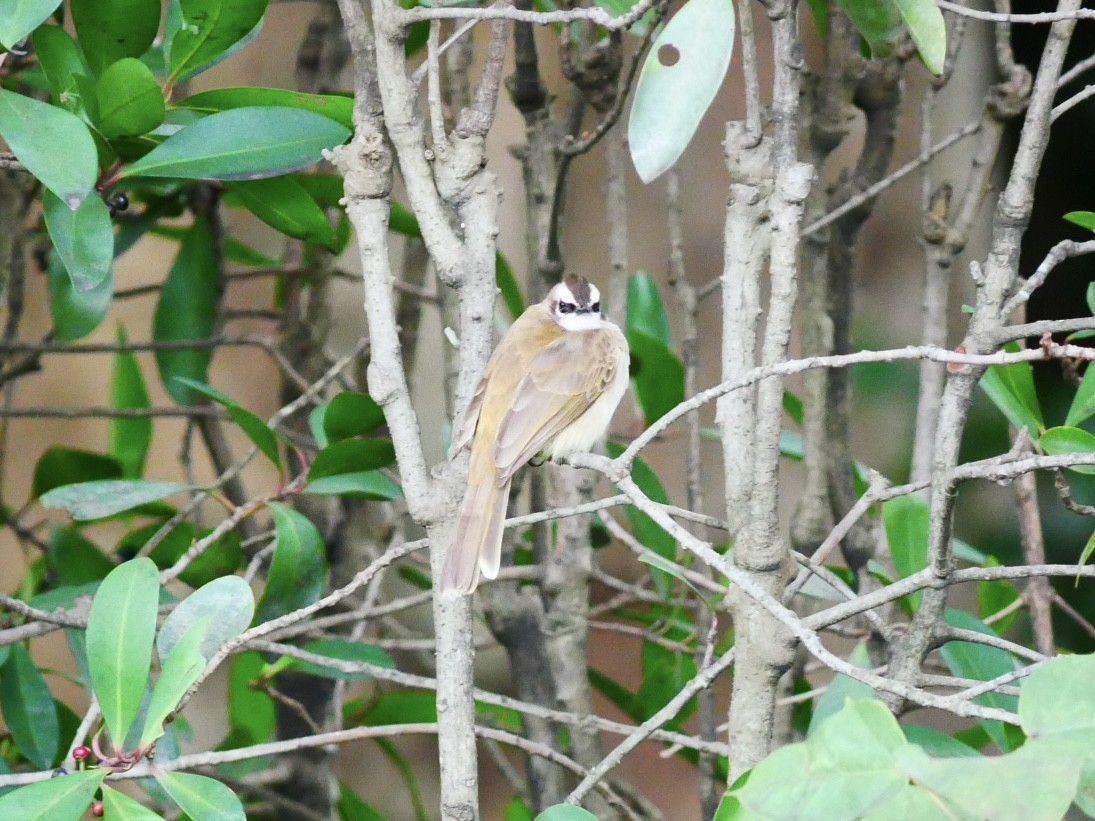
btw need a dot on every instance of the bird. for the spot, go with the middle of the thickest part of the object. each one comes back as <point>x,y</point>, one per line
<point>549,390</point>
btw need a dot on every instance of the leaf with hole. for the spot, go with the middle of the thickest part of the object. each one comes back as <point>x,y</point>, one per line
<point>83,239</point>
<point>187,310</point>
<point>52,144</point>
<point>28,709</point>
<point>242,144</point>
<point>120,630</point>
<point>298,570</point>
<point>96,500</point>
<point>680,77</point>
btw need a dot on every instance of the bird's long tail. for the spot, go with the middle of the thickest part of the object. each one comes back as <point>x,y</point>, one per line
<point>476,544</point>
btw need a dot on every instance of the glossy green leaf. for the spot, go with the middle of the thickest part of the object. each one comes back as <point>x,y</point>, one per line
<point>76,313</point>
<point>242,144</point>
<point>282,203</point>
<point>937,743</point>
<point>83,239</point>
<point>878,21</point>
<point>1085,554</point>
<point>120,629</point>
<point>130,100</point>
<point>225,608</point>
<point>397,707</point>
<point>337,107</point>
<point>925,23</point>
<point>402,220</point>
<point>74,559</point>
<point>1083,403</point>
<point>222,558</point>
<point>680,76</point>
<point>906,522</point>
<point>182,666</point>
<point>367,484</point>
<point>187,309</point>
<point>18,18</point>
<point>342,650</point>
<point>95,500</point>
<point>351,456</point>
<point>645,311</point>
<point>647,531</point>
<point>1085,219</point>
<point>298,570</point>
<point>64,798</point>
<point>351,807</point>
<point>842,688</point>
<point>67,72</point>
<point>658,375</point>
<point>249,710</point>
<point>110,30</point>
<point>28,709</point>
<point>64,466</point>
<point>129,438</point>
<point>507,284</point>
<point>979,661</point>
<point>53,144</point>
<point>1063,441</point>
<point>257,430</point>
<point>351,414</point>
<point>664,673</point>
<point>566,812</point>
<point>201,797</point>
<point>1059,697</point>
<point>1011,389</point>
<point>118,806</point>
<point>209,29</point>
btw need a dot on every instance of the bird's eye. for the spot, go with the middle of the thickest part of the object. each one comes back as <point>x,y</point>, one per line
<point>595,307</point>
<point>567,307</point>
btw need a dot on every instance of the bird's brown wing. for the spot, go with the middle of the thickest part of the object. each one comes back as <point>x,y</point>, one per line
<point>464,426</point>
<point>560,383</point>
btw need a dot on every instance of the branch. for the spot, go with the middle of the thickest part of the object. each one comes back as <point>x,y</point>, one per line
<point>995,17</point>
<point>592,14</point>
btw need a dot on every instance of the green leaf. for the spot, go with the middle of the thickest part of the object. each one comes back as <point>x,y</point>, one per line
<point>367,484</point>
<point>257,430</point>
<point>66,70</point>
<point>187,310</point>
<point>906,522</point>
<point>110,30</point>
<point>664,672</point>
<point>130,100</point>
<point>224,607</point>
<point>351,414</point>
<point>937,743</point>
<point>242,144</point>
<point>402,220</point>
<point>647,531</point>
<point>337,107</point>
<point>28,709</point>
<point>1011,389</point>
<point>209,29</point>
<point>83,239</point>
<point>658,375</point>
<point>995,596</point>
<point>223,557</point>
<point>1063,441</point>
<point>299,567</point>
<point>95,500</point>
<point>74,559</point>
<point>129,438</point>
<point>517,810</point>
<point>76,313</point>
<point>507,284</point>
<point>928,29</point>
<point>64,798</point>
<point>979,661</point>
<point>352,808</point>
<point>118,806</point>
<point>282,203</point>
<point>680,77</point>
<point>566,812</point>
<point>842,688</point>
<point>394,707</point>
<point>351,456</point>
<point>20,17</point>
<point>63,466</point>
<point>53,145</point>
<point>1085,219</point>
<point>1089,547</point>
<point>645,311</point>
<point>249,710</point>
<point>1083,403</point>
<point>202,797</point>
<point>120,629</point>
<point>1059,697</point>
<point>343,650</point>
<point>878,21</point>
<point>178,671</point>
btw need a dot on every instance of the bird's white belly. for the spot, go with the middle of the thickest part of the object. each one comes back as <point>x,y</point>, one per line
<point>583,433</point>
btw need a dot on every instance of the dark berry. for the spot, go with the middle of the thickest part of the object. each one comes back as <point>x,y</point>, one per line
<point>58,772</point>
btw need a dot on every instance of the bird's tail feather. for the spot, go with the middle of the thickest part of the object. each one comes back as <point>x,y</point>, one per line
<point>476,538</point>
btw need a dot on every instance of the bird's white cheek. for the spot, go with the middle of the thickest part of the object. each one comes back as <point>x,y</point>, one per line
<point>581,322</point>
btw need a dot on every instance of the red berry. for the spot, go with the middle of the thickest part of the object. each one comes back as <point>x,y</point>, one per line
<point>97,809</point>
<point>80,753</point>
